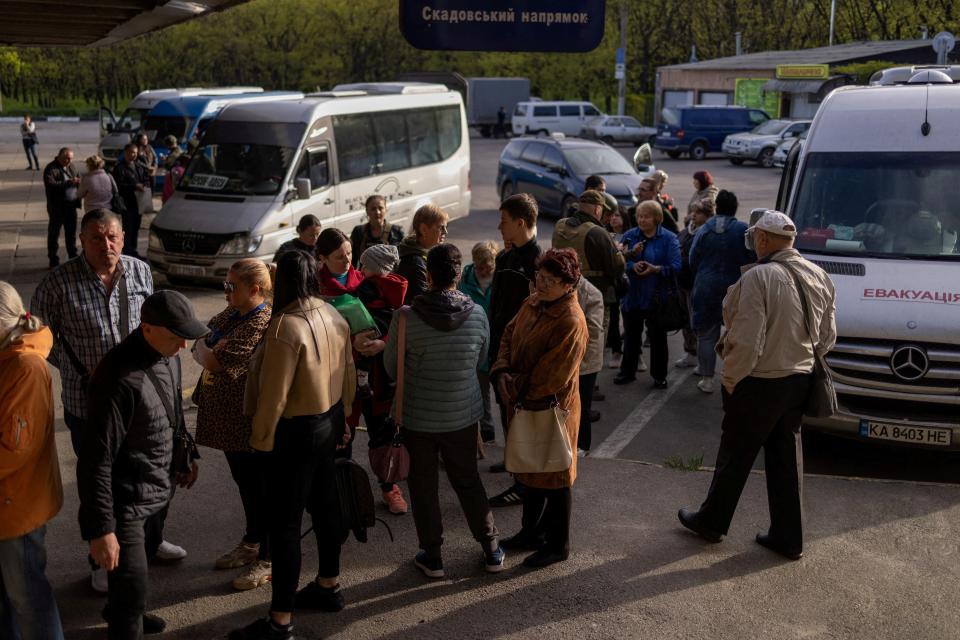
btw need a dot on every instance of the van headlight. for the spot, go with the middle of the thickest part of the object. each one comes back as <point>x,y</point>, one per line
<point>153,241</point>
<point>242,244</point>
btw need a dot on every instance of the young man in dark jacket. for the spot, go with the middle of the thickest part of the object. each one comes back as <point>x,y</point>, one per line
<point>125,464</point>
<point>514,272</point>
<point>132,177</point>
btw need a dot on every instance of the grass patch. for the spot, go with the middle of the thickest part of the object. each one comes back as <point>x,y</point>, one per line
<point>678,463</point>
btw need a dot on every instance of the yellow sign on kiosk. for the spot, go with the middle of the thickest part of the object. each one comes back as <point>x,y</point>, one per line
<point>803,71</point>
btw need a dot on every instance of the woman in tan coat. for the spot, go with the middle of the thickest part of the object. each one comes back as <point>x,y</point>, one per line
<point>539,359</point>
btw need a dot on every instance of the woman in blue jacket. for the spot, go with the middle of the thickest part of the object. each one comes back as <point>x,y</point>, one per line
<point>653,260</point>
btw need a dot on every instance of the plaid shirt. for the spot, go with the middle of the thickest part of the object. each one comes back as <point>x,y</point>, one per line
<point>72,301</point>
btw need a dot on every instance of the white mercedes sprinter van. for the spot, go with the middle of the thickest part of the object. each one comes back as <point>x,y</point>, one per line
<point>260,167</point>
<point>874,193</point>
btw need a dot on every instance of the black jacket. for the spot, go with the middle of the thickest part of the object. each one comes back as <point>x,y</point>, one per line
<point>413,267</point>
<point>60,193</point>
<point>124,468</point>
<point>128,175</point>
<point>512,276</point>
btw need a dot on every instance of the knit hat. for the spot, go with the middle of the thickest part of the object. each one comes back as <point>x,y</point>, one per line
<point>380,257</point>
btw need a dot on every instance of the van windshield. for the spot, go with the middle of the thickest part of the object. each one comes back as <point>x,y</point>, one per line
<point>159,127</point>
<point>600,160</point>
<point>881,204</point>
<point>671,117</point>
<point>242,158</point>
<point>130,119</point>
<point>771,127</point>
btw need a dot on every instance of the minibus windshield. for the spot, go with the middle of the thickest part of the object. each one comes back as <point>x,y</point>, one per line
<point>158,128</point>
<point>890,204</point>
<point>239,158</point>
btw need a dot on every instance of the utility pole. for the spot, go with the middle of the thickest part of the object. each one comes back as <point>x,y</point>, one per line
<point>621,67</point>
<point>833,18</point>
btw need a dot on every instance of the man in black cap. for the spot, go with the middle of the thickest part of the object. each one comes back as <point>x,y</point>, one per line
<point>127,464</point>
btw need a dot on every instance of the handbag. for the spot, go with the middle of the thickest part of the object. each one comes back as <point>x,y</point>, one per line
<point>145,201</point>
<point>537,440</point>
<point>391,462</point>
<point>822,401</point>
<point>117,205</point>
<point>667,309</point>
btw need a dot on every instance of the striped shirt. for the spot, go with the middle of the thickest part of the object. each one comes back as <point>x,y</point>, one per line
<point>73,301</point>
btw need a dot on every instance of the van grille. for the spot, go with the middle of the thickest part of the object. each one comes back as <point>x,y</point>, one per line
<point>842,268</point>
<point>192,244</point>
<point>872,363</point>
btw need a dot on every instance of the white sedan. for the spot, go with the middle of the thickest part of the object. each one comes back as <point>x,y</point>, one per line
<point>612,129</point>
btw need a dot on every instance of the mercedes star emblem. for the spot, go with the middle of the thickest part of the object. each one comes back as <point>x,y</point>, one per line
<point>189,245</point>
<point>909,362</point>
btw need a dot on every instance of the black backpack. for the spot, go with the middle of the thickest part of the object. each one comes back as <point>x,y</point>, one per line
<point>357,508</point>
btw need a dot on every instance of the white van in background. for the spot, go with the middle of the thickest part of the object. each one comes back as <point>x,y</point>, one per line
<point>873,192</point>
<point>545,118</point>
<point>260,167</point>
<point>117,131</point>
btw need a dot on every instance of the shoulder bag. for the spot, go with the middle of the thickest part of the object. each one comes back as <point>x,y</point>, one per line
<point>391,461</point>
<point>184,448</point>
<point>537,440</point>
<point>667,310</point>
<point>117,205</point>
<point>822,402</point>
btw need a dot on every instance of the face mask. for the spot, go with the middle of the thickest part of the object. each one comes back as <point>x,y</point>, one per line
<point>748,241</point>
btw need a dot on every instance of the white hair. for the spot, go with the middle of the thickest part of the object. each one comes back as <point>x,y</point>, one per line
<point>14,319</point>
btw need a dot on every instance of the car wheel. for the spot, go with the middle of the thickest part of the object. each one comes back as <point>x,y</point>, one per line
<point>673,154</point>
<point>566,204</point>
<point>542,133</point>
<point>607,140</point>
<point>766,158</point>
<point>736,161</point>
<point>652,140</point>
<point>698,151</point>
<point>507,190</point>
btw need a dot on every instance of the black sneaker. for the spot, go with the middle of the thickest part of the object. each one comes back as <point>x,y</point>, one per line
<point>431,567</point>
<point>263,629</point>
<point>659,384</point>
<point>317,598</point>
<point>509,498</point>
<point>544,558</point>
<point>522,542</point>
<point>498,467</point>
<point>152,624</point>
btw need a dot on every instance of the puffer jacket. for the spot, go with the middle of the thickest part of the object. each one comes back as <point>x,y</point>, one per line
<point>303,367</point>
<point>125,458</point>
<point>716,257</point>
<point>31,492</point>
<point>591,303</point>
<point>470,285</point>
<point>447,338</point>
<point>413,267</point>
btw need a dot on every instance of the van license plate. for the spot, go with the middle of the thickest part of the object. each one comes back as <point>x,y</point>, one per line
<point>905,433</point>
<point>187,270</point>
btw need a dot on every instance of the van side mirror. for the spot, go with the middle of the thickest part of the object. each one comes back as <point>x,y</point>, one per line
<point>557,169</point>
<point>304,190</point>
<point>109,127</point>
<point>643,158</point>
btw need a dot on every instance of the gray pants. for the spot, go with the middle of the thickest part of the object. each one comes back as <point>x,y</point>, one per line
<point>459,451</point>
<point>707,339</point>
<point>486,422</point>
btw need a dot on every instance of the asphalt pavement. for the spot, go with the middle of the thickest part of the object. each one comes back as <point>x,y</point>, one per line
<point>883,523</point>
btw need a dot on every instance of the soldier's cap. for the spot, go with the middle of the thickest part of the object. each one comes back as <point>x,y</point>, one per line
<point>172,311</point>
<point>610,203</point>
<point>591,196</point>
<point>775,222</point>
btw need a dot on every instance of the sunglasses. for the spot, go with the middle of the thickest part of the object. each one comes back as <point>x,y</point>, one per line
<point>229,287</point>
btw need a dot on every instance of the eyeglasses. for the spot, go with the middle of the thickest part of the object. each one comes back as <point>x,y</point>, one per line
<point>229,287</point>
<point>549,281</point>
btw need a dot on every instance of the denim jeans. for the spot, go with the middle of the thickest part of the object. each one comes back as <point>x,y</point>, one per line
<point>28,610</point>
<point>30,148</point>
<point>706,340</point>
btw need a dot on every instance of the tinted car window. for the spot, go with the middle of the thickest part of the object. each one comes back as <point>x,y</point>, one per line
<point>590,110</point>
<point>532,153</point>
<point>757,117</point>
<point>631,122</point>
<point>570,110</point>
<point>671,117</point>
<point>521,110</point>
<point>552,158</point>
<point>544,112</point>
<point>512,152</point>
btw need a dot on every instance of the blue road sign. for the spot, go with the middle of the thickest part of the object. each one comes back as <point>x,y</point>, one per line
<point>572,26</point>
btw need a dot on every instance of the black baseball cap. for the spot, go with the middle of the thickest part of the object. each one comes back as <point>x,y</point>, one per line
<point>172,311</point>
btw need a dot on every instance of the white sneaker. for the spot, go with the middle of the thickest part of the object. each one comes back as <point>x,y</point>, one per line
<point>169,551</point>
<point>614,362</point>
<point>642,364</point>
<point>582,453</point>
<point>705,385</point>
<point>98,580</point>
<point>685,362</point>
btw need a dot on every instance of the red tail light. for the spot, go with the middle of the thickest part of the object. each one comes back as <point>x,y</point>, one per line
<point>679,133</point>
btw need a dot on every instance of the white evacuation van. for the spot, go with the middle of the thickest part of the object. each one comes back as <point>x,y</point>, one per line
<point>260,167</point>
<point>117,131</point>
<point>545,118</point>
<point>874,193</point>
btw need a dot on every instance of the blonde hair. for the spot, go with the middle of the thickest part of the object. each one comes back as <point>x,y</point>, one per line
<point>254,272</point>
<point>653,208</point>
<point>14,319</point>
<point>485,251</point>
<point>428,214</point>
<point>94,162</point>
<point>659,178</point>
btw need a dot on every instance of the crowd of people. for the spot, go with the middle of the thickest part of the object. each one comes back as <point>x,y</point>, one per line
<point>392,331</point>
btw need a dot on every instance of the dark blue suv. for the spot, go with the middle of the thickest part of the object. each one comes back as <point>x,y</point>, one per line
<point>697,130</point>
<point>553,171</point>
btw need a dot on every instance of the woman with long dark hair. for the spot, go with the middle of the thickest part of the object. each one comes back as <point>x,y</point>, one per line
<point>337,274</point>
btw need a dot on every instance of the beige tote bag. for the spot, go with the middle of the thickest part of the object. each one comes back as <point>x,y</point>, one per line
<point>537,441</point>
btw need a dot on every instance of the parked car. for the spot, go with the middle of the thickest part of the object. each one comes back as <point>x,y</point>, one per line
<point>613,129</point>
<point>553,170</point>
<point>783,149</point>
<point>544,118</point>
<point>760,144</point>
<point>700,129</point>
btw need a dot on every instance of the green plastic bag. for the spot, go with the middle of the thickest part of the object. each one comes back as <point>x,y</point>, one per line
<point>354,313</point>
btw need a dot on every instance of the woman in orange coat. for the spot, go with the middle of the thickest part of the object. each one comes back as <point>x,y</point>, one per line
<point>30,489</point>
<point>539,359</point>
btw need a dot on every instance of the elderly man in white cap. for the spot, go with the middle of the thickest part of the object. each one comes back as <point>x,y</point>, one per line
<point>777,315</point>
